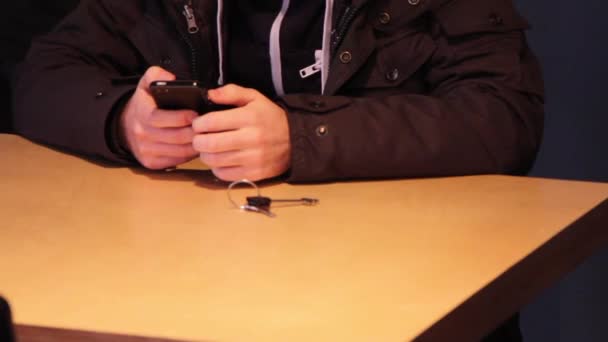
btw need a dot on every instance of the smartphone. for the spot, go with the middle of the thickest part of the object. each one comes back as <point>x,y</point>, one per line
<point>182,94</point>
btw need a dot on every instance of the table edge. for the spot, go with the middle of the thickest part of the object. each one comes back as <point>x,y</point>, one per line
<point>490,306</point>
<point>31,333</point>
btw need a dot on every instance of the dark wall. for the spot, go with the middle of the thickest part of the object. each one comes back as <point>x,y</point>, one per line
<point>570,39</point>
<point>20,21</point>
<point>571,43</point>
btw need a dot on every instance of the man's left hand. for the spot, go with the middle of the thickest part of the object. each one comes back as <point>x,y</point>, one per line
<point>250,141</point>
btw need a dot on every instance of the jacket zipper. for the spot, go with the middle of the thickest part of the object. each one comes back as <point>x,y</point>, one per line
<point>315,68</point>
<point>188,12</point>
<point>190,18</point>
<point>346,19</point>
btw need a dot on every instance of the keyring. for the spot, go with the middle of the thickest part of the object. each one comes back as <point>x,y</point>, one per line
<point>242,181</point>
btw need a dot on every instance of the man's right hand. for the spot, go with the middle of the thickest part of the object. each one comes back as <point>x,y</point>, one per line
<point>158,138</point>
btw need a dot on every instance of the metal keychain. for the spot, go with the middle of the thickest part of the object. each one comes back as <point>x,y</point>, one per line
<point>261,204</point>
<point>248,207</point>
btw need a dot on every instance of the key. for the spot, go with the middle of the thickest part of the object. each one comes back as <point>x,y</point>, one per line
<point>261,204</point>
<point>259,210</point>
<point>265,202</point>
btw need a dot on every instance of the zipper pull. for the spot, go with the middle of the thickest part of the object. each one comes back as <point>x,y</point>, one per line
<point>311,70</point>
<point>315,68</point>
<point>190,19</point>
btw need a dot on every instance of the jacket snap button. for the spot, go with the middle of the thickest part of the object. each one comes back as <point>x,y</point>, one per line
<point>495,19</point>
<point>317,104</point>
<point>99,94</point>
<point>384,18</point>
<point>393,75</point>
<point>413,2</point>
<point>346,57</point>
<point>322,130</point>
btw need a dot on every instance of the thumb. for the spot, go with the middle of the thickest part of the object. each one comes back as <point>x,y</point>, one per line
<point>233,95</point>
<point>154,73</point>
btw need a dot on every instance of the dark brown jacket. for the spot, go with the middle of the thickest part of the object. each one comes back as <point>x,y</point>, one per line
<point>415,88</point>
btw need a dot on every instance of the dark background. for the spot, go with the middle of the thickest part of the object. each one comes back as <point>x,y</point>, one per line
<point>570,39</point>
<point>20,20</point>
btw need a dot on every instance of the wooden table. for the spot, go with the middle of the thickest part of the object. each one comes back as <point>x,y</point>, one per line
<point>87,249</point>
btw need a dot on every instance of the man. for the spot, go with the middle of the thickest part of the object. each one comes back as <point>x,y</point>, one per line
<point>322,90</point>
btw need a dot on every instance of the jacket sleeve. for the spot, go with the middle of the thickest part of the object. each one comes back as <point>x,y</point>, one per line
<point>482,113</point>
<point>64,90</point>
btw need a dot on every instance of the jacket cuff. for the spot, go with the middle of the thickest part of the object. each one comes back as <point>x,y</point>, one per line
<point>114,99</point>
<point>113,139</point>
<point>312,145</point>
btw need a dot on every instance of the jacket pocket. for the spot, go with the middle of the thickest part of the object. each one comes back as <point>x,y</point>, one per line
<point>395,59</point>
<point>459,18</point>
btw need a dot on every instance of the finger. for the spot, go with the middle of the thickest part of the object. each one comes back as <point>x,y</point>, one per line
<point>225,120</point>
<point>171,118</point>
<point>160,163</point>
<point>236,173</point>
<point>177,136</point>
<point>173,136</point>
<point>233,95</point>
<point>225,159</point>
<point>154,73</point>
<point>155,150</point>
<point>222,142</point>
<point>231,174</point>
